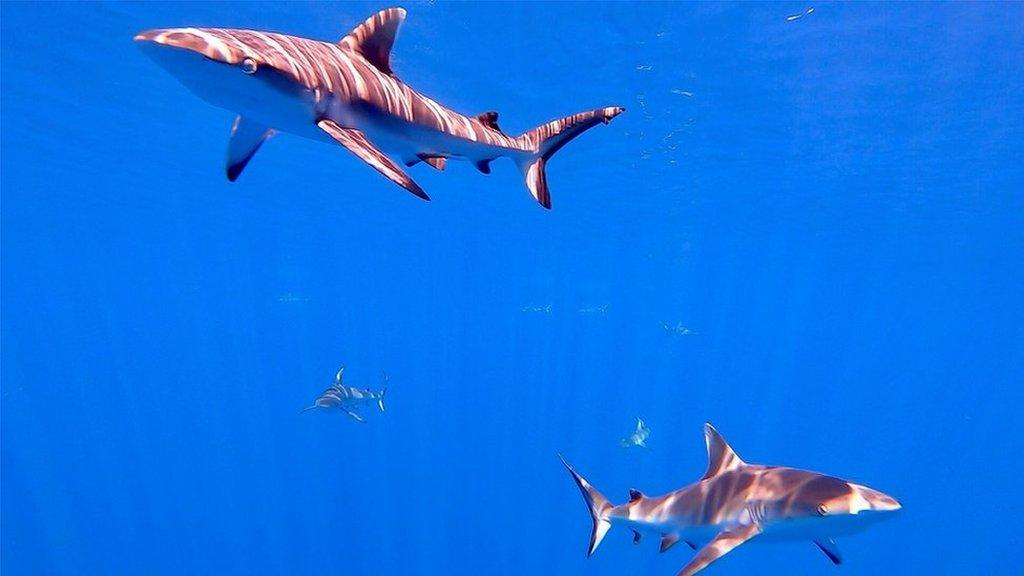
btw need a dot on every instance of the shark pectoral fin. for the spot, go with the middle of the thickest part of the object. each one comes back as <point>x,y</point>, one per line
<point>355,141</point>
<point>831,550</point>
<point>354,416</point>
<point>668,541</point>
<point>375,37</point>
<point>636,537</point>
<point>720,546</point>
<point>246,138</point>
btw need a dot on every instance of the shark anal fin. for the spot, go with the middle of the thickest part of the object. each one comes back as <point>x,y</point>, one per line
<point>437,162</point>
<point>246,138</point>
<point>719,546</point>
<point>831,550</point>
<point>668,541</point>
<point>636,537</point>
<point>375,37</point>
<point>489,119</point>
<point>483,166</point>
<point>355,141</point>
<point>635,494</point>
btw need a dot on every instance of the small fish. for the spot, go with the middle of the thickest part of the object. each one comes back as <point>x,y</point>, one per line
<point>799,16</point>
<point>638,437</point>
<point>677,329</point>
<point>686,93</point>
<point>348,399</point>
<point>541,309</point>
<point>292,298</point>
<point>594,309</point>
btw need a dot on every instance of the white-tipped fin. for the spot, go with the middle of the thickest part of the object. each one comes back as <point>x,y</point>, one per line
<point>721,457</point>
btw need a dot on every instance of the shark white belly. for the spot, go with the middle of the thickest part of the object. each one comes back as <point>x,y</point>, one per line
<point>735,502</point>
<point>346,93</point>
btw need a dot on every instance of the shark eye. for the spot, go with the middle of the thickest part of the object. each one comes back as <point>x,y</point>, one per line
<point>822,510</point>
<point>249,66</point>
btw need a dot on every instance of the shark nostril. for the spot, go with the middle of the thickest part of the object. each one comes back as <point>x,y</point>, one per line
<point>249,66</point>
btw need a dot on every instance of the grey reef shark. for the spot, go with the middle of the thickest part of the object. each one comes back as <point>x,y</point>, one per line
<point>347,398</point>
<point>735,502</point>
<point>346,93</point>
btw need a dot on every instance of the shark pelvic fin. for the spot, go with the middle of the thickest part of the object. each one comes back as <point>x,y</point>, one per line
<point>831,550</point>
<point>375,37</point>
<point>436,162</point>
<point>598,505</point>
<point>719,546</point>
<point>489,119</point>
<point>246,138</point>
<point>721,457</point>
<point>355,141</point>
<point>668,541</point>
<point>636,537</point>
<point>484,166</point>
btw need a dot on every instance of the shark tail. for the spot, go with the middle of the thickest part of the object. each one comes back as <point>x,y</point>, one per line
<point>598,505</point>
<point>383,391</point>
<point>543,141</point>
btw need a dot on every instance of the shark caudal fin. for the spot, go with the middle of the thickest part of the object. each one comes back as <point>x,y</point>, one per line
<point>598,505</point>
<point>383,391</point>
<point>549,138</point>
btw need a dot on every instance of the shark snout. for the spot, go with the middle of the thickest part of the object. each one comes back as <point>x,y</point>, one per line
<point>876,501</point>
<point>200,41</point>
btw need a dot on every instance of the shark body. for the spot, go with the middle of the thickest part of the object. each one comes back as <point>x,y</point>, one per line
<point>346,93</point>
<point>638,437</point>
<point>735,502</point>
<point>347,398</point>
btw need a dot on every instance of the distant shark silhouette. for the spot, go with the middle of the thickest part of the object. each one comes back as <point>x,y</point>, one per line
<point>347,93</point>
<point>734,502</point>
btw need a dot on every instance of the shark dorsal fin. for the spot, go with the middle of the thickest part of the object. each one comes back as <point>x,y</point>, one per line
<point>721,457</point>
<point>374,37</point>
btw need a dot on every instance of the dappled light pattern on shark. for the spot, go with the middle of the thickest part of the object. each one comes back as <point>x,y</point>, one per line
<point>735,502</point>
<point>347,92</point>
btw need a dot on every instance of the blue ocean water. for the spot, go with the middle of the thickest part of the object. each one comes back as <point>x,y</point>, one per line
<point>825,212</point>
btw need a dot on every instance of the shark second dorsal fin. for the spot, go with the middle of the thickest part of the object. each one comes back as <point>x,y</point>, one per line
<point>721,457</point>
<point>489,119</point>
<point>635,494</point>
<point>375,37</point>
